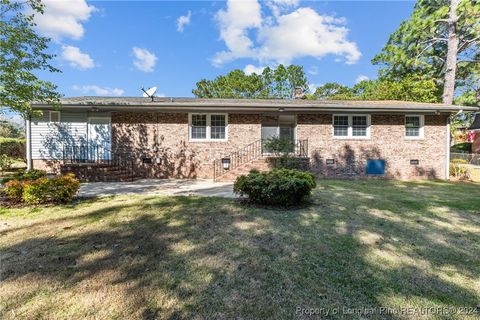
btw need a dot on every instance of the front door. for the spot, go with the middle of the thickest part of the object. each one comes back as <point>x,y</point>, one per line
<point>278,126</point>
<point>99,138</point>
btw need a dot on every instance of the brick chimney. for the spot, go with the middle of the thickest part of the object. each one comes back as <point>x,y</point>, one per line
<point>299,93</point>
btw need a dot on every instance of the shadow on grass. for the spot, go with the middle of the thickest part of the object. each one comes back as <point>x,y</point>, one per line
<point>361,244</point>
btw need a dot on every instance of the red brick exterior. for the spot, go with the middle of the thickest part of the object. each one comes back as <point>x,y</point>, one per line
<point>165,135</point>
<point>387,141</point>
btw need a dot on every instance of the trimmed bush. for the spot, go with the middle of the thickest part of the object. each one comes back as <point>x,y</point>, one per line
<point>42,190</point>
<point>14,190</point>
<point>459,169</point>
<point>55,190</point>
<point>279,187</point>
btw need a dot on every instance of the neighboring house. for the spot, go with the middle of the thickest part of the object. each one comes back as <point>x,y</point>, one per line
<point>475,127</point>
<point>117,138</point>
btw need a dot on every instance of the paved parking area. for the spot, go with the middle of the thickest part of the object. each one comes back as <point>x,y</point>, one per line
<point>164,187</point>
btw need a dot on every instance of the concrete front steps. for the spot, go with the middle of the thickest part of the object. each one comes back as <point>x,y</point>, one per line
<point>260,164</point>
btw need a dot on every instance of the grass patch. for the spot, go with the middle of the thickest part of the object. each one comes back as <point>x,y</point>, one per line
<point>361,244</point>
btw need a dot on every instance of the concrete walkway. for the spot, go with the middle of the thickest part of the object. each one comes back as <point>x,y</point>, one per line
<point>164,187</point>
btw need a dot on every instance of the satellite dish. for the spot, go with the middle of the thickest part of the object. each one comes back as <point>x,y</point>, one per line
<point>149,93</point>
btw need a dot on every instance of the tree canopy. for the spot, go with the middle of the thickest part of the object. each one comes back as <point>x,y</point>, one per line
<point>407,89</point>
<point>278,83</point>
<point>420,46</point>
<point>22,52</point>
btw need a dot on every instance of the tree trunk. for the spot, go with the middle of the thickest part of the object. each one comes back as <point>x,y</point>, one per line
<point>451,61</point>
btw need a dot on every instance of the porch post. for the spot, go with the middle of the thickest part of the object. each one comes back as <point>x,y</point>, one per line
<point>28,134</point>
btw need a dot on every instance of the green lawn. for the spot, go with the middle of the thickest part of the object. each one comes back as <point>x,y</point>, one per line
<point>361,244</point>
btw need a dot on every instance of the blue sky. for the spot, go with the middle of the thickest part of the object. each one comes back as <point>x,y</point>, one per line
<point>115,47</point>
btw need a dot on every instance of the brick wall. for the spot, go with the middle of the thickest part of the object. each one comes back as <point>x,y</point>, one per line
<point>165,135</point>
<point>387,142</point>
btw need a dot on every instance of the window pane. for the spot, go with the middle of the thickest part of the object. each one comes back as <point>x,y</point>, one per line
<point>412,126</point>
<point>359,121</point>
<point>412,122</point>
<point>341,131</point>
<point>217,123</point>
<point>412,132</point>
<point>359,126</point>
<point>359,131</point>
<point>199,126</point>
<point>340,120</point>
<point>340,126</point>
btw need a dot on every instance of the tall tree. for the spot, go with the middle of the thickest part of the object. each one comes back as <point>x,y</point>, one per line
<point>22,52</point>
<point>278,83</point>
<point>439,41</point>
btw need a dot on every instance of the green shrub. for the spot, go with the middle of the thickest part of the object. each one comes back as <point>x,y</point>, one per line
<point>459,169</point>
<point>55,190</point>
<point>287,162</point>
<point>23,175</point>
<point>279,187</point>
<point>14,190</point>
<point>462,147</point>
<point>13,147</point>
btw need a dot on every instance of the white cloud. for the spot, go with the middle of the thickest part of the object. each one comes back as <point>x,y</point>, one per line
<point>279,6</point>
<point>250,68</point>
<point>76,58</point>
<point>64,18</point>
<point>234,24</point>
<point>144,60</point>
<point>99,91</point>
<point>183,21</point>
<point>283,37</point>
<point>361,78</point>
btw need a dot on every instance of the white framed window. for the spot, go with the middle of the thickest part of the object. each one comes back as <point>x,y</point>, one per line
<point>414,126</point>
<point>351,126</point>
<point>54,116</point>
<point>208,126</point>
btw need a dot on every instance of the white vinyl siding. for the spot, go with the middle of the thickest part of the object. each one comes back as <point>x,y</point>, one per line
<point>48,138</point>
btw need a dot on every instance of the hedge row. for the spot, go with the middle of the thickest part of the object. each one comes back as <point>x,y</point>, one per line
<point>12,147</point>
<point>42,190</point>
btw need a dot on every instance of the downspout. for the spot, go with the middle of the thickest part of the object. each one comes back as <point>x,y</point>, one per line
<point>28,134</point>
<point>447,155</point>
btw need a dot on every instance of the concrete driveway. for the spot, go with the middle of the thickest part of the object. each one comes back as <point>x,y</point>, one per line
<point>163,187</point>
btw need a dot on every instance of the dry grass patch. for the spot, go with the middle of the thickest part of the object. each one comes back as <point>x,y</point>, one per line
<point>361,244</point>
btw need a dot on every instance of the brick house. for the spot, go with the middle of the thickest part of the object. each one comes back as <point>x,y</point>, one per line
<point>121,138</point>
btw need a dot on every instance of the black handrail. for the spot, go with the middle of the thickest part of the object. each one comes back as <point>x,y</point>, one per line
<point>254,151</point>
<point>76,154</point>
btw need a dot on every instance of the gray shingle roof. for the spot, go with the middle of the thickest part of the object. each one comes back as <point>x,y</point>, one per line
<point>160,103</point>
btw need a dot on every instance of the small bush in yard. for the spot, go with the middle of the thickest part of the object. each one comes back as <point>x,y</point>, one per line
<point>459,169</point>
<point>279,187</point>
<point>33,174</point>
<point>55,190</point>
<point>14,190</point>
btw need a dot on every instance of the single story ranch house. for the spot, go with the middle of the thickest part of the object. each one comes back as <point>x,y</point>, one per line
<point>111,139</point>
